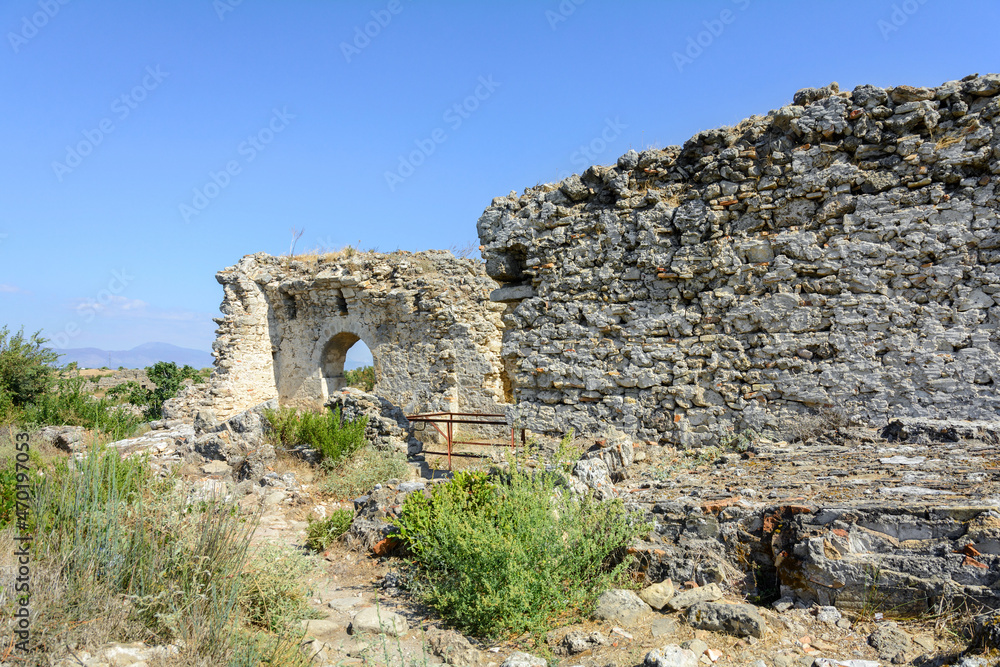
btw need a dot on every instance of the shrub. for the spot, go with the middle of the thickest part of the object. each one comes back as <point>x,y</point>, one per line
<point>26,367</point>
<point>326,431</point>
<point>168,379</point>
<point>505,557</point>
<point>69,403</point>
<point>274,593</point>
<point>361,378</point>
<point>321,533</point>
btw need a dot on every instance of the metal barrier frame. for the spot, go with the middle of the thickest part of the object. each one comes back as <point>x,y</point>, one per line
<point>450,419</point>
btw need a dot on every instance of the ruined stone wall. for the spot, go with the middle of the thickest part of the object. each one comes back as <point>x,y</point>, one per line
<point>126,375</point>
<point>288,323</point>
<point>841,251</point>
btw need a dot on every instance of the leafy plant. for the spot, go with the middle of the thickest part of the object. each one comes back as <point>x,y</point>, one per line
<point>26,367</point>
<point>69,403</point>
<point>503,556</point>
<point>740,442</point>
<point>326,431</point>
<point>321,533</point>
<point>168,379</point>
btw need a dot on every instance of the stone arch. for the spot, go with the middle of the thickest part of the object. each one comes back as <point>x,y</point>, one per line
<point>338,336</point>
<point>427,319</point>
<point>334,356</point>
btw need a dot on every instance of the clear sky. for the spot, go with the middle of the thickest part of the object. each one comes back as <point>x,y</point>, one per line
<point>147,145</point>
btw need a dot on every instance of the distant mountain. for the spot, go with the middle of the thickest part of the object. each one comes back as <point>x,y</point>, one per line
<point>144,355</point>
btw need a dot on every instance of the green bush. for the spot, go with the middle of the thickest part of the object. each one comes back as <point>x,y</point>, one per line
<point>334,437</point>
<point>361,378</point>
<point>504,556</point>
<point>26,367</point>
<point>69,403</point>
<point>168,379</point>
<point>321,533</point>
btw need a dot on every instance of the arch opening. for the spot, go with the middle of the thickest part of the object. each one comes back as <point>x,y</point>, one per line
<point>343,356</point>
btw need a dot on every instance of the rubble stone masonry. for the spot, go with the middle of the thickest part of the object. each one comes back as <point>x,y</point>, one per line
<point>840,251</point>
<point>288,322</point>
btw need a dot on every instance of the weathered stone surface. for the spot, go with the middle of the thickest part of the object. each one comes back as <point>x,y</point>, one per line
<point>454,649</point>
<point>387,426</point>
<point>288,322</point>
<point>839,251</point>
<point>67,438</point>
<point>578,641</point>
<point>520,659</point>
<point>890,642</point>
<point>742,620</point>
<point>205,420</point>
<point>986,631</point>
<point>657,595</point>
<point>671,656</point>
<point>620,606</point>
<point>684,599</point>
<point>374,620</point>
<point>322,629</point>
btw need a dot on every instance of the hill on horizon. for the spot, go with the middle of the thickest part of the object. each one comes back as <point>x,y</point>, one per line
<point>140,356</point>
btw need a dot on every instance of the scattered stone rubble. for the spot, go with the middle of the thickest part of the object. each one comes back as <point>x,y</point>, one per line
<point>288,323</point>
<point>841,250</point>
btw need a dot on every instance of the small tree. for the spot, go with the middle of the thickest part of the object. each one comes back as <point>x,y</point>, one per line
<point>26,367</point>
<point>168,379</point>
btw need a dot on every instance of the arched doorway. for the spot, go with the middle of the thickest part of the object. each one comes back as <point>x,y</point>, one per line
<point>343,353</point>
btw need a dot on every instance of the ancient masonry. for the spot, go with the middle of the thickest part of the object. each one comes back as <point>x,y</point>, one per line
<point>841,251</point>
<point>288,323</point>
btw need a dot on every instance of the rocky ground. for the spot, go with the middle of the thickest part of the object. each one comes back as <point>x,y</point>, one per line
<point>851,546</point>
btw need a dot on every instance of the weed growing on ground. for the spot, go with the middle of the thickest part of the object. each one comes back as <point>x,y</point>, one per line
<point>275,591</point>
<point>740,442</point>
<point>70,403</point>
<point>327,432</point>
<point>122,546</point>
<point>504,556</point>
<point>321,533</point>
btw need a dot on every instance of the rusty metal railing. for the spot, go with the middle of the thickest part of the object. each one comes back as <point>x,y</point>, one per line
<point>451,419</point>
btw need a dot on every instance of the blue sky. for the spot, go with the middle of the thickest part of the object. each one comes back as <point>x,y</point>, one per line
<point>147,145</point>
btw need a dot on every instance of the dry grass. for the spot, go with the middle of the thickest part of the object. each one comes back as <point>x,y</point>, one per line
<point>358,473</point>
<point>947,140</point>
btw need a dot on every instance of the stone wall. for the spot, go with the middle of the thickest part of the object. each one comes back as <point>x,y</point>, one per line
<point>126,375</point>
<point>841,251</point>
<point>287,325</point>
